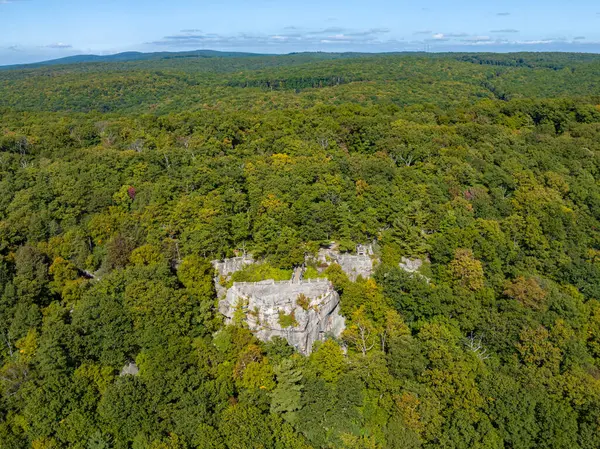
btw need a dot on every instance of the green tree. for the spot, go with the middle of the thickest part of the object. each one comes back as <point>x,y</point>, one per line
<point>286,397</point>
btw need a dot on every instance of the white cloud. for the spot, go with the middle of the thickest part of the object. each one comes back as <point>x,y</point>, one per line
<point>338,37</point>
<point>328,30</point>
<point>536,42</point>
<point>58,45</point>
<point>194,39</point>
<point>477,39</point>
<point>335,41</point>
<point>290,39</point>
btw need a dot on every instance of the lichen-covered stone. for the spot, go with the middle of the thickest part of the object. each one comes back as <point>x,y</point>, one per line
<point>301,312</point>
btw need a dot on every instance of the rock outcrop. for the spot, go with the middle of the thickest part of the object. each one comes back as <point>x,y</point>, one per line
<point>227,267</point>
<point>301,312</point>
<point>131,369</point>
<point>411,265</point>
<point>354,265</point>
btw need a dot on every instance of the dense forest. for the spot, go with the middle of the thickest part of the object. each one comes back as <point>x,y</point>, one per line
<point>121,181</point>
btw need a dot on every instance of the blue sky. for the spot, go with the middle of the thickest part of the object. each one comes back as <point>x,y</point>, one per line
<point>33,30</point>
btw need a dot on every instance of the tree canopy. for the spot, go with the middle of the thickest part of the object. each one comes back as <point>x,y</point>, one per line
<point>121,181</point>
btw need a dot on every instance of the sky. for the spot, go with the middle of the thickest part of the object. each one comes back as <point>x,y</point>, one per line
<point>36,30</point>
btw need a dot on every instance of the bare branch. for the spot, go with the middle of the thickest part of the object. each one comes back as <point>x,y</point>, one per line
<point>6,337</point>
<point>475,345</point>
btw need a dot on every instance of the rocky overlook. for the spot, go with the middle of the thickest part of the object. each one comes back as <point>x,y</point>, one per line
<point>301,312</point>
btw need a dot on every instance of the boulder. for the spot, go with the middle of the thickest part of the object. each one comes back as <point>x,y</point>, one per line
<point>411,265</point>
<point>131,369</point>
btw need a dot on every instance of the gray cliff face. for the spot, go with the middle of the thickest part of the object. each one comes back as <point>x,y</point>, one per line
<point>301,312</point>
<point>354,266</point>
<point>225,268</point>
<point>229,266</point>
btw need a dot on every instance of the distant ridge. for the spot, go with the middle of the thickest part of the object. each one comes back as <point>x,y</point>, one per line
<point>132,56</point>
<point>534,58</point>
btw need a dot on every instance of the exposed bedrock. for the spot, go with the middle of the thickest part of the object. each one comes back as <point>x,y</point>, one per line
<point>354,265</point>
<point>229,266</point>
<point>411,265</point>
<point>225,268</point>
<point>301,312</point>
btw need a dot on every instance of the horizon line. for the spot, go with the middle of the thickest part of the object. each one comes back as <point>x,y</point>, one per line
<point>248,54</point>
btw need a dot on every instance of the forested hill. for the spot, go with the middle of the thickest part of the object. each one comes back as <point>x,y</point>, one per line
<point>128,57</point>
<point>296,81</point>
<point>121,181</point>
